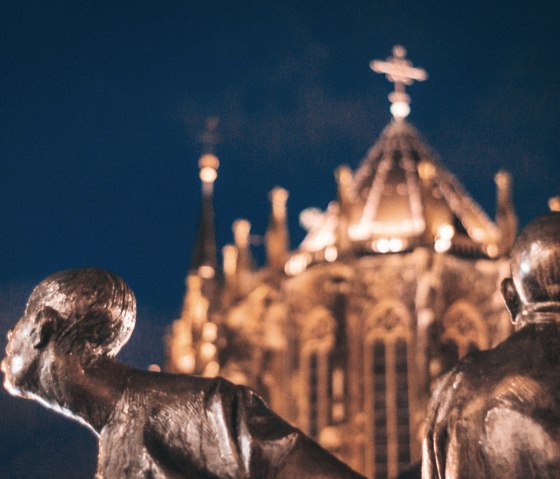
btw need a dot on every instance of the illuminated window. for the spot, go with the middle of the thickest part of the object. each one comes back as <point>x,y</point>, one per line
<point>387,390</point>
<point>463,331</point>
<point>318,339</point>
<point>313,394</point>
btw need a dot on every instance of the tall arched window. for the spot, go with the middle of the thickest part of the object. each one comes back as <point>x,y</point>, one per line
<point>318,340</point>
<point>464,330</point>
<point>387,366</point>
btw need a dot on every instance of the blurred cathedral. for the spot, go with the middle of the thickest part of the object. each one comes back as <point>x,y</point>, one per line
<point>344,336</point>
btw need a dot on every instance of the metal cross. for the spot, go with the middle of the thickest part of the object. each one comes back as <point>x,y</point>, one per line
<point>399,70</point>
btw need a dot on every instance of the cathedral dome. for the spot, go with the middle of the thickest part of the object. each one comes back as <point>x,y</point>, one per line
<point>403,191</point>
<point>401,197</point>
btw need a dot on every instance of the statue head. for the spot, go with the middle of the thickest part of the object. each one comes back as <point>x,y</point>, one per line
<point>535,269</point>
<point>89,313</point>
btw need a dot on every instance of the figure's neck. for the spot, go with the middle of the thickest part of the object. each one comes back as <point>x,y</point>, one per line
<point>85,392</point>
<point>538,313</point>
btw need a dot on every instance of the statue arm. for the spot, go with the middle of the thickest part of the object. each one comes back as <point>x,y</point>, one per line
<point>229,432</point>
<point>436,435</point>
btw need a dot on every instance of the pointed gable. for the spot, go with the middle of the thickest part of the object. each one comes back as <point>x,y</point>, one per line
<point>403,197</point>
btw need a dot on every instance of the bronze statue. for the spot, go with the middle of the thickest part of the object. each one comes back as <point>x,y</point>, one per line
<point>497,413</point>
<point>150,425</point>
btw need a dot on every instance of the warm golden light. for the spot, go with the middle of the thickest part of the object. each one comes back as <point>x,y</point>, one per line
<point>209,332</point>
<point>492,250</point>
<point>208,175</point>
<point>212,369</point>
<point>503,179</point>
<point>477,234</point>
<point>311,218</point>
<point>399,70</point>
<point>241,230</point>
<point>426,170</point>
<point>208,161</point>
<point>230,259</point>
<point>155,368</point>
<point>554,203</point>
<point>208,165</point>
<point>359,231</point>
<point>446,231</point>
<point>396,244</point>
<point>386,245</point>
<point>382,245</point>
<point>207,351</point>
<point>297,264</point>
<point>193,283</point>
<point>331,254</point>
<point>400,109</point>
<point>205,271</point>
<point>330,437</point>
<point>279,195</point>
<point>442,245</point>
<point>186,363</point>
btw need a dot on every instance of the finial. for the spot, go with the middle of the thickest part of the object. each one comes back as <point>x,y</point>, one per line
<point>208,162</point>
<point>399,71</point>
<point>554,203</point>
<point>241,230</point>
<point>278,197</point>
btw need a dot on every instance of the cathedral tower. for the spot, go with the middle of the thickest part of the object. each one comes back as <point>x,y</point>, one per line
<point>397,279</point>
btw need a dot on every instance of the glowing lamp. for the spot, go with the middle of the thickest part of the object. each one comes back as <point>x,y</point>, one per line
<point>209,332</point>
<point>297,264</point>
<point>442,245</point>
<point>205,271</point>
<point>208,165</point>
<point>400,110</point>
<point>186,363</point>
<point>446,231</point>
<point>207,351</point>
<point>331,254</point>
<point>382,245</point>
<point>492,250</point>
<point>396,244</point>
<point>426,170</point>
<point>208,175</point>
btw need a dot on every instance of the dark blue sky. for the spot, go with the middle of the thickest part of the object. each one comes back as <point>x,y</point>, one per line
<point>102,101</point>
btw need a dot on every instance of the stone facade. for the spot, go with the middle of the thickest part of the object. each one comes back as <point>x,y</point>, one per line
<point>343,336</point>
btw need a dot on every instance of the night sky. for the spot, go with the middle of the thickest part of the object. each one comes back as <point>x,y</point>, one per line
<point>102,104</point>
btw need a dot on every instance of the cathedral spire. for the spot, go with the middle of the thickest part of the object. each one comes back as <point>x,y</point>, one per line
<point>399,70</point>
<point>204,255</point>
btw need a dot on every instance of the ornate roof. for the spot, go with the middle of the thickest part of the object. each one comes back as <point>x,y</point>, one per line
<point>400,197</point>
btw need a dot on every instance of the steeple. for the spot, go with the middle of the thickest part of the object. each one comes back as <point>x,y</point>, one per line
<point>204,256</point>
<point>190,344</point>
